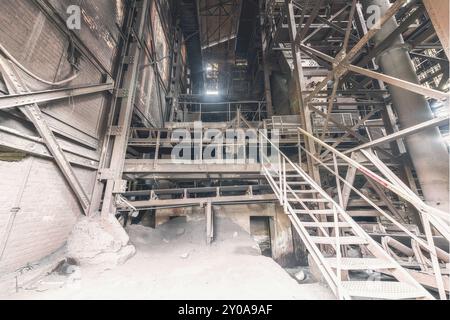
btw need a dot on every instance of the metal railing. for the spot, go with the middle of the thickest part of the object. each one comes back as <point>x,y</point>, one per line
<point>431,217</point>
<point>274,167</point>
<point>222,111</point>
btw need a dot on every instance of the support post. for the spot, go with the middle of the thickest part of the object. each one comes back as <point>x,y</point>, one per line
<point>112,170</point>
<point>209,223</point>
<point>299,78</point>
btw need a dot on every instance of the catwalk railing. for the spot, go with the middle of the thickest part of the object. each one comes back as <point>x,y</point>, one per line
<point>221,110</point>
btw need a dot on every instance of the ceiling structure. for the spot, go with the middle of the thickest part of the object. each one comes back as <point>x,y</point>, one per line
<point>219,21</point>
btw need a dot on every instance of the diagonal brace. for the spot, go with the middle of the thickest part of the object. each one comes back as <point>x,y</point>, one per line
<point>16,85</point>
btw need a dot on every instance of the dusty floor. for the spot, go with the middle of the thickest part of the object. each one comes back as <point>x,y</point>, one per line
<point>173,262</point>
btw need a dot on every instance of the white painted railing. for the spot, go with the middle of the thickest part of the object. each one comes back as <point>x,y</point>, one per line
<point>431,217</point>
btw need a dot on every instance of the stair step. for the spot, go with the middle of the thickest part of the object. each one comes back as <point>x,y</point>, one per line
<point>325,224</point>
<point>297,183</point>
<point>305,191</point>
<point>383,290</point>
<point>342,240</point>
<point>314,211</point>
<point>309,200</point>
<point>363,213</point>
<point>362,263</point>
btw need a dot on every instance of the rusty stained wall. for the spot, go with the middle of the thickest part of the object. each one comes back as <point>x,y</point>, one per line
<point>154,74</point>
<point>48,207</point>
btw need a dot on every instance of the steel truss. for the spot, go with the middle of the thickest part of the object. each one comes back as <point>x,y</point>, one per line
<point>344,56</point>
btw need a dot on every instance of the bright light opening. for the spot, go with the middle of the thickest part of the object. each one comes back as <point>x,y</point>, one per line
<point>212,93</point>
<point>440,109</point>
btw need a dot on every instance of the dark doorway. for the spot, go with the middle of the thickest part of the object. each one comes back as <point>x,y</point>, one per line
<point>260,231</point>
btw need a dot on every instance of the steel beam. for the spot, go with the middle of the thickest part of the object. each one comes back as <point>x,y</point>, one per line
<point>27,98</point>
<point>147,166</point>
<point>300,83</point>
<point>199,190</point>
<point>339,68</point>
<point>16,85</point>
<point>12,139</point>
<point>403,133</point>
<point>171,203</point>
<point>110,174</point>
<point>355,127</point>
<point>303,30</point>
<point>438,11</point>
<point>407,85</point>
<point>397,82</point>
<point>330,21</point>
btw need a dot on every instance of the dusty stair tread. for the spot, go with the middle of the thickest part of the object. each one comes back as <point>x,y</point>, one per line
<point>309,200</point>
<point>362,263</point>
<point>363,213</point>
<point>314,211</point>
<point>342,240</point>
<point>304,191</point>
<point>383,290</point>
<point>325,224</point>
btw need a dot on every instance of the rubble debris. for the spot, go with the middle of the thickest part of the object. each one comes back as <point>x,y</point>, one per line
<point>99,241</point>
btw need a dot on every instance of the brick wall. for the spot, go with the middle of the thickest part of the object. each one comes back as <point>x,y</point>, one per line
<point>48,208</point>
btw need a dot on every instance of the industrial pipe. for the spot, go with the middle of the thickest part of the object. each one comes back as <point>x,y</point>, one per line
<point>427,149</point>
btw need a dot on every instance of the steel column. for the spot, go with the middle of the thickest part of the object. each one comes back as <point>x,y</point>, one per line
<point>299,78</point>
<point>111,171</point>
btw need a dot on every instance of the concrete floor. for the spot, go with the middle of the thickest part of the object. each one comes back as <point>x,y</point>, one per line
<point>173,262</point>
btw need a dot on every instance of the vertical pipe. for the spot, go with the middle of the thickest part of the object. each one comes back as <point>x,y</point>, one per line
<point>427,149</point>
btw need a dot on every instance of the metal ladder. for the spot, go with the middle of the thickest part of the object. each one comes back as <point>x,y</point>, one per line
<point>329,233</point>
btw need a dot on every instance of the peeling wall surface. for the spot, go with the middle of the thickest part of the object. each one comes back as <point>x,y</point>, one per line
<point>35,36</point>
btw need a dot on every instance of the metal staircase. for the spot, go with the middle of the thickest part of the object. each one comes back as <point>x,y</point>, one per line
<point>329,233</point>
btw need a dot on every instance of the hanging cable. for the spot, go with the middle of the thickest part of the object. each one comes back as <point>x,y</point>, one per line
<point>51,83</point>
